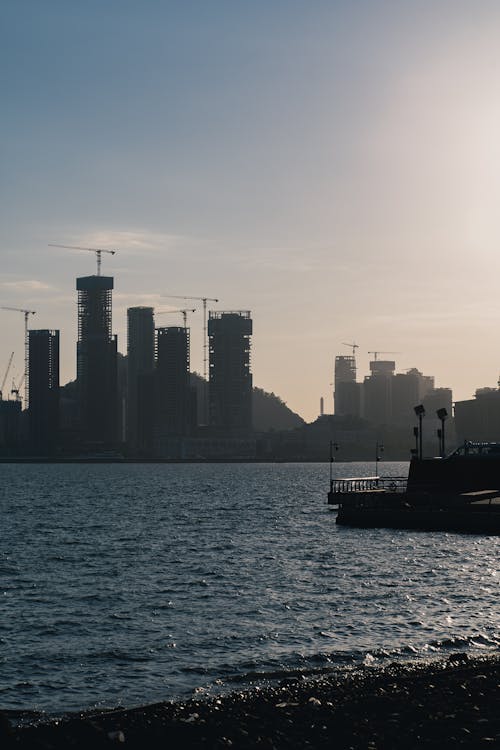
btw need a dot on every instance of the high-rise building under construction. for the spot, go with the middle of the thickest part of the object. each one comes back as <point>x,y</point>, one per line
<point>174,395</point>
<point>347,393</point>
<point>230,379</point>
<point>43,390</point>
<point>140,370</point>
<point>96,361</point>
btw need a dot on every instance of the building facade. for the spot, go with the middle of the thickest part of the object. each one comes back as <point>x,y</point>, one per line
<point>347,392</point>
<point>230,379</point>
<point>140,366</point>
<point>43,390</point>
<point>96,362</point>
<point>173,384</point>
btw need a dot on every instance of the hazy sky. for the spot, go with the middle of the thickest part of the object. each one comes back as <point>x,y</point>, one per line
<point>334,167</point>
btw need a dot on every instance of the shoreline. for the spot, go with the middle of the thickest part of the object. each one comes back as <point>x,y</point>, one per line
<point>442,703</point>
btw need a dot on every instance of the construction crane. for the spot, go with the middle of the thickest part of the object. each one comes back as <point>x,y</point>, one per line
<point>97,250</point>
<point>15,389</point>
<point>5,376</point>
<point>26,314</point>
<point>375,354</point>
<point>184,313</point>
<point>353,347</point>
<point>204,300</point>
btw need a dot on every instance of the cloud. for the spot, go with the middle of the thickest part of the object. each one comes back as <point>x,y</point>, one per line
<point>27,285</point>
<point>130,241</point>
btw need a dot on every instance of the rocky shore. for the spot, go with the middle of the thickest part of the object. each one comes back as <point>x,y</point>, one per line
<point>440,705</point>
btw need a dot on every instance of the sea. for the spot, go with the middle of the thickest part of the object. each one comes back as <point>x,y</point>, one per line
<point>123,585</point>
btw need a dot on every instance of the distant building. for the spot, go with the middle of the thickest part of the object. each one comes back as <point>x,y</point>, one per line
<point>43,390</point>
<point>140,366</point>
<point>96,362</point>
<point>479,418</point>
<point>174,396</point>
<point>230,381</point>
<point>347,392</point>
<point>377,389</point>
<point>10,426</point>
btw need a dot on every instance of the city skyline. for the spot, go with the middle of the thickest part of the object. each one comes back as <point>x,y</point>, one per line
<point>333,168</point>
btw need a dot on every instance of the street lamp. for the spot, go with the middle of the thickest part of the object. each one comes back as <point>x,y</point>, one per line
<point>442,414</point>
<point>420,412</point>
<point>333,447</point>
<point>379,448</point>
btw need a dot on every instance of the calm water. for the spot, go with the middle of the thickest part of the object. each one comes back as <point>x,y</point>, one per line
<point>129,584</point>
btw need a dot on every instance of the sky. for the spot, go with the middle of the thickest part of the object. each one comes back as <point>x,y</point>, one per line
<point>333,167</point>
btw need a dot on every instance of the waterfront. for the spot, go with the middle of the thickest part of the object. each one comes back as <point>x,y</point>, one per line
<point>125,585</point>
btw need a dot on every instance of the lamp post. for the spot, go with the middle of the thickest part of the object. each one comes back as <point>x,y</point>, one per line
<point>420,412</point>
<point>333,447</point>
<point>442,414</point>
<point>379,448</point>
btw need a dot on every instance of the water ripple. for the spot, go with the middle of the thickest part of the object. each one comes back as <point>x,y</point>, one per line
<point>127,584</point>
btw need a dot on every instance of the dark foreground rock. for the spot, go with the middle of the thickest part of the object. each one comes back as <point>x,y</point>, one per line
<point>442,705</point>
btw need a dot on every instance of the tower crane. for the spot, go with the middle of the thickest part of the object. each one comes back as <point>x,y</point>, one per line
<point>97,250</point>
<point>15,389</point>
<point>184,313</point>
<point>26,314</point>
<point>353,347</point>
<point>375,354</point>
<point>204,300</point>
<point>5,376</point>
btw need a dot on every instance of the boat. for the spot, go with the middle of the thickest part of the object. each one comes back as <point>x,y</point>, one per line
<point>460,492</point>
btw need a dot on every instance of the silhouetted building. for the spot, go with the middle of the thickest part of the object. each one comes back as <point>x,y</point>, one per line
<point>43,390</point>
<point>140,389</point>
<point>10,426</point>
<point>96,361</point>
<point>377,389</point>
<point>479,418</point>
<point>347,393</point>
<point>438,398</point>
<point>230,380</point>
<point>406,394</point>
<point>173,391</point>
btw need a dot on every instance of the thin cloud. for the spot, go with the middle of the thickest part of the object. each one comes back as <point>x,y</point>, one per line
<point>140,241</point>
<point>27,285</point>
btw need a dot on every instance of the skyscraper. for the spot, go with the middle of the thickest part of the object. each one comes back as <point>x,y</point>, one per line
<point>96,361</point>
<point>140,366</point>
<point>230,380</point>
<point>347,393</point>
<point>43,390</point>
<point>173,395</point>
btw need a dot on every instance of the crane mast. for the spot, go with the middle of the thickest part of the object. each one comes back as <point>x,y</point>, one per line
<point>97,250</point>
<point>184,313</point>
<point>26,314</point>
<point>5,376</point>
<point>353,347</point>
<point>204,300</point>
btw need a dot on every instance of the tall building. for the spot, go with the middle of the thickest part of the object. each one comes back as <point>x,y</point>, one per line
<point>173,392</point>
<point>377,389</point>
<point>479,418</point>
<point>96,361</point>
<point>230,380</point>
<point>43,390</point>
<point>347,393</point>
<point>140,366</point>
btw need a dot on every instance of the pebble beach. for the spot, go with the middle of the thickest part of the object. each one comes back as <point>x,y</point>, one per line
<point>447,703</point>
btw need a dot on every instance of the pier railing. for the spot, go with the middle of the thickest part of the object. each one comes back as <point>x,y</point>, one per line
<point>368,484</point>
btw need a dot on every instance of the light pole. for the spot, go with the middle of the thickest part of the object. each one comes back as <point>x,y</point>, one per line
<point>420,412</point>
<point>442,414</point>
<point>379,448</point>
<point>333,447</point>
